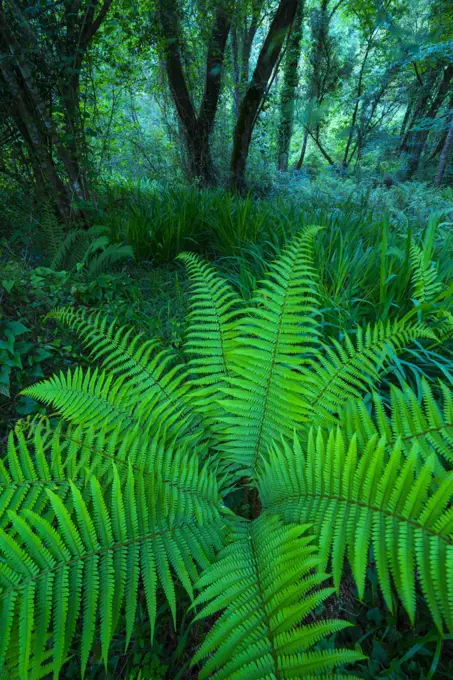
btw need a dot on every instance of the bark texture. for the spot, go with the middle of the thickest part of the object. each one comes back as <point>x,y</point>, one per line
<point>444,156</point>
<point>250,105</point>
<point>197,127</point>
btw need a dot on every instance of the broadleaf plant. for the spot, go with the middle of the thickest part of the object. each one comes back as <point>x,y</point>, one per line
<point>132,489</point>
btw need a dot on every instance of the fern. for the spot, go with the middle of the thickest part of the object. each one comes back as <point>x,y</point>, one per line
<point>347,370</point>
<point>264,584</point>
<point>109,254</point>
<point>26,474</point>
<point>52,231</point>
<point>423,422</point>
<point>70,249</point>
<point>133,484</point>
<point>211,320</point>
<point>98,556</point>
<point>274,332</point>
<point>91,397</point>
<point>89,247</point>
<point>426,282</point>
<point>376,500</point>
<point>153,378</point>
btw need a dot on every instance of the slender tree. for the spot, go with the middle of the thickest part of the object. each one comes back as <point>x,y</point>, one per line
<point>444,155</point>
<point>441,142</point>
<point>256,91</point>
<point>324,74</point>
<point>243,31</point>
<point>289,88</point>
<point>418,103</point>
<point>358,95</point>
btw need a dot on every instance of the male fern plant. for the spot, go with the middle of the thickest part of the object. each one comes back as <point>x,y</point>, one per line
<point>132,487</point>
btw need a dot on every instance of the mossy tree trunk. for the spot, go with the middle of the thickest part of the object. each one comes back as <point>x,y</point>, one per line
<point>289,89</point>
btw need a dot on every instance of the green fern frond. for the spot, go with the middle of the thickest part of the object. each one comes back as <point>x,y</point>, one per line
<point>214,307</point>
<point>91,450</point>
<point>76,453</point>
<point>274,337</point>
<point>26,474</point>
<point>90,247</point>
<point>91,398</point>
<point>100,551</point>
<point>425,423</point>
<point>70,249</point>
<point>382,501</point>
<point>110,255</point>
<point>264,586</point>
<point>425,276</point>
<point>120,349</point>
<point>53,231</point>
<point>149,448</point>
<point>445,328</point>
<point>350,369</point>
<point>150,372</point>
<point>426,282</point>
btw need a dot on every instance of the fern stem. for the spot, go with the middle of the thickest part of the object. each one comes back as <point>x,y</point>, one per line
<point>373,508</point>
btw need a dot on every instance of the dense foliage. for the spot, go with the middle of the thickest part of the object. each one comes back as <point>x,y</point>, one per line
<point>232,92</point>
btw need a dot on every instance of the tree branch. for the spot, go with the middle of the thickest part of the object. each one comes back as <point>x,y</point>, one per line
<point>175,71</point>
<point>328,158</point>
<point>214,66</point>
<point>94,25</point>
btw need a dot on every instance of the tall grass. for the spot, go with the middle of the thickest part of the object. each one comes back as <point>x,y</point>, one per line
<point>363,256</point>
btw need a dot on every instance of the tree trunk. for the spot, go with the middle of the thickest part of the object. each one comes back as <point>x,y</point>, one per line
<point>369,108</point>
<point>352,128</point>
<point>36,141</point>
<point>197,128</point>
<point>33,89</point>
<point>440,144</point>
<point>407,116</point>
<point>200,158</point>
<point>250,105</point>
<point>303,151</point>
<point>236,77</point>
<point>417,109</point>
<point>247,42</point>
<point>444,155</point>
<point>242,36</point>
<point>317,141</point>
<point>419,137</point>
<point>288,94</point>
<point>316,90</point>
